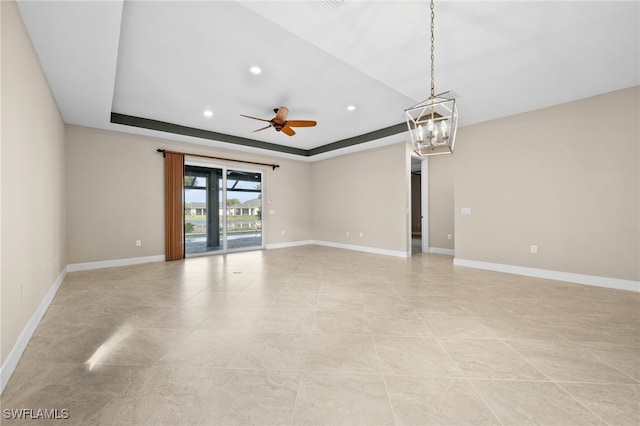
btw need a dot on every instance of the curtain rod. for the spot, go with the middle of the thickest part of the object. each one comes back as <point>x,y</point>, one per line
<point>164,151</point>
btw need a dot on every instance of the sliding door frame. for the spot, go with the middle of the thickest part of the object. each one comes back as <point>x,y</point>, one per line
<point>201,162</point>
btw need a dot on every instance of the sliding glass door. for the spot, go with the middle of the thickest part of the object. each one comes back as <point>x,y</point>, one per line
<point>203,209</point>
<point>222,210</point>
<point>244,209</point>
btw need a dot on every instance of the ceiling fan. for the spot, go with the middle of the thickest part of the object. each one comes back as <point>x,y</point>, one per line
<point>280,122</point>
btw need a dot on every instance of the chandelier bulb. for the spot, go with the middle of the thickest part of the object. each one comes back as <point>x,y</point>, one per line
<point>443,128</point>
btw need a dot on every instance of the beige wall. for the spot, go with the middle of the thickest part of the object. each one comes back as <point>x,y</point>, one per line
<point>33,246</point>
<point>441,210</point>
<point>115,194</point>
<point>289,190</point>
<point>364,192</point>
<point>565,178</point>
<point>2,345</point>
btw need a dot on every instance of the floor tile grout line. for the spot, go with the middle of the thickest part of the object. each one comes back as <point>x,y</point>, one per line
<point>525,359</point>
<point>617,369</point>
<point>384,381</point>
<point>303,370</point>
<point>580,403</point>
<point>304,362</point>
<point>552,381</point>
<point>575,382</point>
<point>506,342</point>
<point>464,376</point>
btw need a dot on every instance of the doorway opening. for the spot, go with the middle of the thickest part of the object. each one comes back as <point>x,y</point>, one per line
<point>419,234</point>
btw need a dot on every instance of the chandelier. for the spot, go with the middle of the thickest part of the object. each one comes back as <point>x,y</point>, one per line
<point>432,123</point>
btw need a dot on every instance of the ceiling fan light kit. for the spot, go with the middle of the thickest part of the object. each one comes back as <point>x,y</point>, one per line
<point>433,123</point>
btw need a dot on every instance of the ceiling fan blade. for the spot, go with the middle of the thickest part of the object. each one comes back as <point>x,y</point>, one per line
<point>255,118</point>
<point>281,115</point>
<point>265,127</point>
<point>301,123</point>
<point>288,130</point>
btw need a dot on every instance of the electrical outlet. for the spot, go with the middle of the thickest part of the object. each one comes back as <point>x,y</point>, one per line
<point>448,236</point>
<point>534,249</point>
<point>361,234</point>
<point>347,233</point>
<point>282,232</point>
<point>138,243</point>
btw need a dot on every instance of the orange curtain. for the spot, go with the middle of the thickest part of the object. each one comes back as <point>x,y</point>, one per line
<point>173,205</point>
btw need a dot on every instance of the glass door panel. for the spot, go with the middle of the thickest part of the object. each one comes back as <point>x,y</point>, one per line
<point>244,209</point>
<point>203,190</point>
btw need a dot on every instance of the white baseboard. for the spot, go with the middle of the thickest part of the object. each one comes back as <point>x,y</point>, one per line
<point>111,263</point>
<point>289,244</point>
<point>593,280</point>
<point>6,370</point>
<point>373,250</point>
<point>437,250</point>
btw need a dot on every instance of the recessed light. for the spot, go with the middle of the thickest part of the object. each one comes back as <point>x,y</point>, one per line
<point>351,108</point>
<point>208,113</point>
<point>255,70</point>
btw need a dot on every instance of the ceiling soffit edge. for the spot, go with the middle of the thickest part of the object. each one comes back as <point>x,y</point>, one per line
<point>162,126</point>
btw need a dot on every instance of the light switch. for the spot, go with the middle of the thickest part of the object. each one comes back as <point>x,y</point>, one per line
<point>465,210</point>
<point>272,212</point>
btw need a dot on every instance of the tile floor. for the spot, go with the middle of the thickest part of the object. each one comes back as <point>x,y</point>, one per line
<point>315,335</point>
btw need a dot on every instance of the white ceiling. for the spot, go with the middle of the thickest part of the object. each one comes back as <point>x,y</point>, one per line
<point>170,61</point>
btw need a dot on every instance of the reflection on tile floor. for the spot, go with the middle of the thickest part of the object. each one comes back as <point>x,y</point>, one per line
<point>315,335</point>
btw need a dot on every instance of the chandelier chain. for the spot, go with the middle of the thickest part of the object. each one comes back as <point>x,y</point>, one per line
<point>433,83</point>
